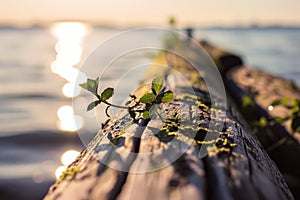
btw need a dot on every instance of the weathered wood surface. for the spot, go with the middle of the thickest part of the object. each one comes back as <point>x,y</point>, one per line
<point>277,139</point>
<point>227,171</point>
<point>263,88</point>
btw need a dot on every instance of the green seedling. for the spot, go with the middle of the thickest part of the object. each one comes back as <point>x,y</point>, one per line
<point>262,123</point>
<point>144,108</point>
<point>247,102</point>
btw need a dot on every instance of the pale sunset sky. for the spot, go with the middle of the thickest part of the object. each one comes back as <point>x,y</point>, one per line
<point>153,12</point>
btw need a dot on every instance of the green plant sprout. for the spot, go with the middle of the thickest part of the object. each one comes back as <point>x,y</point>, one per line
<point>144,108</point>
<point>262,123</point>
<point>293,105</point>
<point>247,102</point>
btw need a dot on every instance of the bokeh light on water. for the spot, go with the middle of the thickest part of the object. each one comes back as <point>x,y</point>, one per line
<point>69,52</point>
<point>66,159</point>
<point>68,121</point>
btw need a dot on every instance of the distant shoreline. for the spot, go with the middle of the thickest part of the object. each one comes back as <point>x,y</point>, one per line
<point>241,27</point>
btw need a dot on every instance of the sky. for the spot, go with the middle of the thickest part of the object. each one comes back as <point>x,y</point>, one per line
<point>153,12</point>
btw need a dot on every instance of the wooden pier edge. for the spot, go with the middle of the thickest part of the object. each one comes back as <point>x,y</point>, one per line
<point>235,167</point>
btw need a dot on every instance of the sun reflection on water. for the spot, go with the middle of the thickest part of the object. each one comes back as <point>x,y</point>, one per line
<point>59,171</point>
<point>66,159</point>
<point>69,156</point>
<point>69,52</point>
<point>68,121</point>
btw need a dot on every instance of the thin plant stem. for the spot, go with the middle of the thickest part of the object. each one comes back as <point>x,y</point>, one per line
<point>116,106</point>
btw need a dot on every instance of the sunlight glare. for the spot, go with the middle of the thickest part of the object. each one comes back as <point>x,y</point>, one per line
<point>59,171</point>
<point>71,124</point>
<point>65,112</point>
<point>270,108</point>
<point>68,121</point>
<point>69,52</point>
<point>69,156</point>
<point>70,29</point>
<point>71,90</point>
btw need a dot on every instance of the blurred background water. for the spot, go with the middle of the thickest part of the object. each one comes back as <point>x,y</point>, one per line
<point>38,139</point>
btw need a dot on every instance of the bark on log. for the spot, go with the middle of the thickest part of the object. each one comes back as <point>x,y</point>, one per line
<point>236,166</point>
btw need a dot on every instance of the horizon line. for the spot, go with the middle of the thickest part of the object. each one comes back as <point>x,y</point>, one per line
<point>96,23</point>
<point>112,25</point>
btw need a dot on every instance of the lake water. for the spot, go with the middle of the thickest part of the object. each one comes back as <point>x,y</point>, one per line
<point>34,107</point>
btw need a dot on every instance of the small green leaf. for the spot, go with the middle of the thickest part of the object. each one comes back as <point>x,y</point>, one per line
<point>295,107</point>
<point>167,97</point>
<point>294,110</point>
<point>91,85</point>
<point>83,85</point>
<point>295,102</point>
<point>148,98</point>
<point>280,119</point>
<point>146,114</point>
<point>93,105</point>
<point>295,124</point>
<point>107,93</point>
<point>247,101</point>
<point>285,101</point>
<point>276,102</point>
<point>157,84</point>
<point>263,122</point>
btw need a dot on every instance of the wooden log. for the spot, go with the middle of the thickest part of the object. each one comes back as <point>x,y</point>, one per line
<point>179,157</point>
<point>277,139</point>
<point>260,89</point>
<point>225,60</point>
<point>263,88</point>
